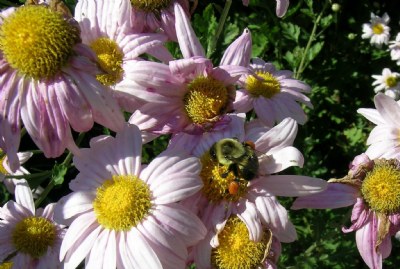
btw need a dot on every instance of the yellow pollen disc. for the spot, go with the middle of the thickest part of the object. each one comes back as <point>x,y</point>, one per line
<point>267,88</point>
<point>378,29</point>
<point>122,202</point>
<point>151,6</point>
<point>391,81</point>
<point>37,41</point>
<point>206,99</point>
<point>236,250</point>
<point>216,179</point>
<point>6,265</point>
<point>2,158</point>
<point>381,187</point>
<point>33,235</point>
<point>110,60</point>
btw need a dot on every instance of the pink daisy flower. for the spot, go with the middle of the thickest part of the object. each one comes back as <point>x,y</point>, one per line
<point>372,186</point>
<point>194,95</point>
<point>253,201</point>
<point>123,216</point>
<point>273,94</point>
<point>217,251</point>
<point>105,28</point>
<point>155,15</point>
<point>29,238</point>
<point>48,81</point>
<point>383,140</point>
<point>281,6</point>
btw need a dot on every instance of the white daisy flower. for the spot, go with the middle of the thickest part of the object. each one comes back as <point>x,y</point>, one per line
<point>394,49</point>
<point>388,83</point>
<point>377,30</point>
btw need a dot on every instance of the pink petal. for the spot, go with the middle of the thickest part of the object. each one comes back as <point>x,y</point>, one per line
<point>239,52</point>
<point>291,185</point>
<point>247,212</point>
<point>72,205</point>
<point>336,195</point>
<point>275,216</point>
<point>280,160</point>
<point>187,39</point>
<point>182,222</point>
<point>388,108</point>
<point>281,7</point>
<point>366,240</point>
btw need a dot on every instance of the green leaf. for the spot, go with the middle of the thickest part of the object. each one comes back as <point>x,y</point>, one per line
<point>314,50</point>
<point>231,31</point>
<point>58,174</point>
<point>291,31</point>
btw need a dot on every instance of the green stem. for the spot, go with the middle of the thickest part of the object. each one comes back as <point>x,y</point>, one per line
<point>44,194</point>
<point>30,176</point>
<point>302,64</point>
<point>221,23</point>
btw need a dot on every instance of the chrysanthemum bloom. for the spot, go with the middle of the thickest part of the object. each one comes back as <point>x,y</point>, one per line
<point>105,28</point>
<point>231,247</point>
<point>194,95</point>
<point>383,140</point>
<point>373,187</point>
<point>154,15</point>
<point>126,217</point>
<point>226,192</point>
<point>377,30</point>
<point>281,6</point>
<point>273,94</point>
<point>394,47</point>
<point>388,82</point>
<point>48,80</point>
<point>29,238</point>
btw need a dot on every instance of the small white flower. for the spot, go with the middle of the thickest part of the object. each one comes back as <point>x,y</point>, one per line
<point>394,49</point>
<point>388,83</point>
<point>377,30</point>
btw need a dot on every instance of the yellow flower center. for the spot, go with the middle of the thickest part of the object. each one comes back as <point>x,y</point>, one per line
<point>381,187</point>
<point>236,250</point>
<point>122,202</point>
<point>2,160</point>
<point>216,180</point>
<point>391,81</point>
<point>6,265</point>
<point>33,235</point>
<point>110,60</point>
<point>37,41</point>
<point>151,6</point>
<point>267,87</point>
<point>378,29</point>
<point>206,99</point>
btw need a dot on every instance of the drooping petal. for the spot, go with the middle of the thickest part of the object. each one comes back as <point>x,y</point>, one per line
<point>291,185</point>
<point>366,241</point>
<point>336,195</point>
<point>239,52</point>
<point>281,7</point>
<point>247,212</point>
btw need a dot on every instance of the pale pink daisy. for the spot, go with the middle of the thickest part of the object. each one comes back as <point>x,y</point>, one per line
<point>281,6</point>
<point>253,201</point>
<point>377,30</point>
<point>273,94</point>
<point>372,186</point>
<point>48,81</point>
<point>125,216</point>
<point>156,15</point>
<point>217,251</point>
<point>105,28</point>
<point>30,238</point>
<point>394,48</point>
<point>383,141</point>
<point>388,82</point>
<point>187,95</point>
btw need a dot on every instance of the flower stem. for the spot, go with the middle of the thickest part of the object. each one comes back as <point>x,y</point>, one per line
<point>221,23</point>
<point>302,64</point>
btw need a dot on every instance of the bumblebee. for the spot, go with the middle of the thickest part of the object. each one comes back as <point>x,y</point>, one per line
<point>240,158</point>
